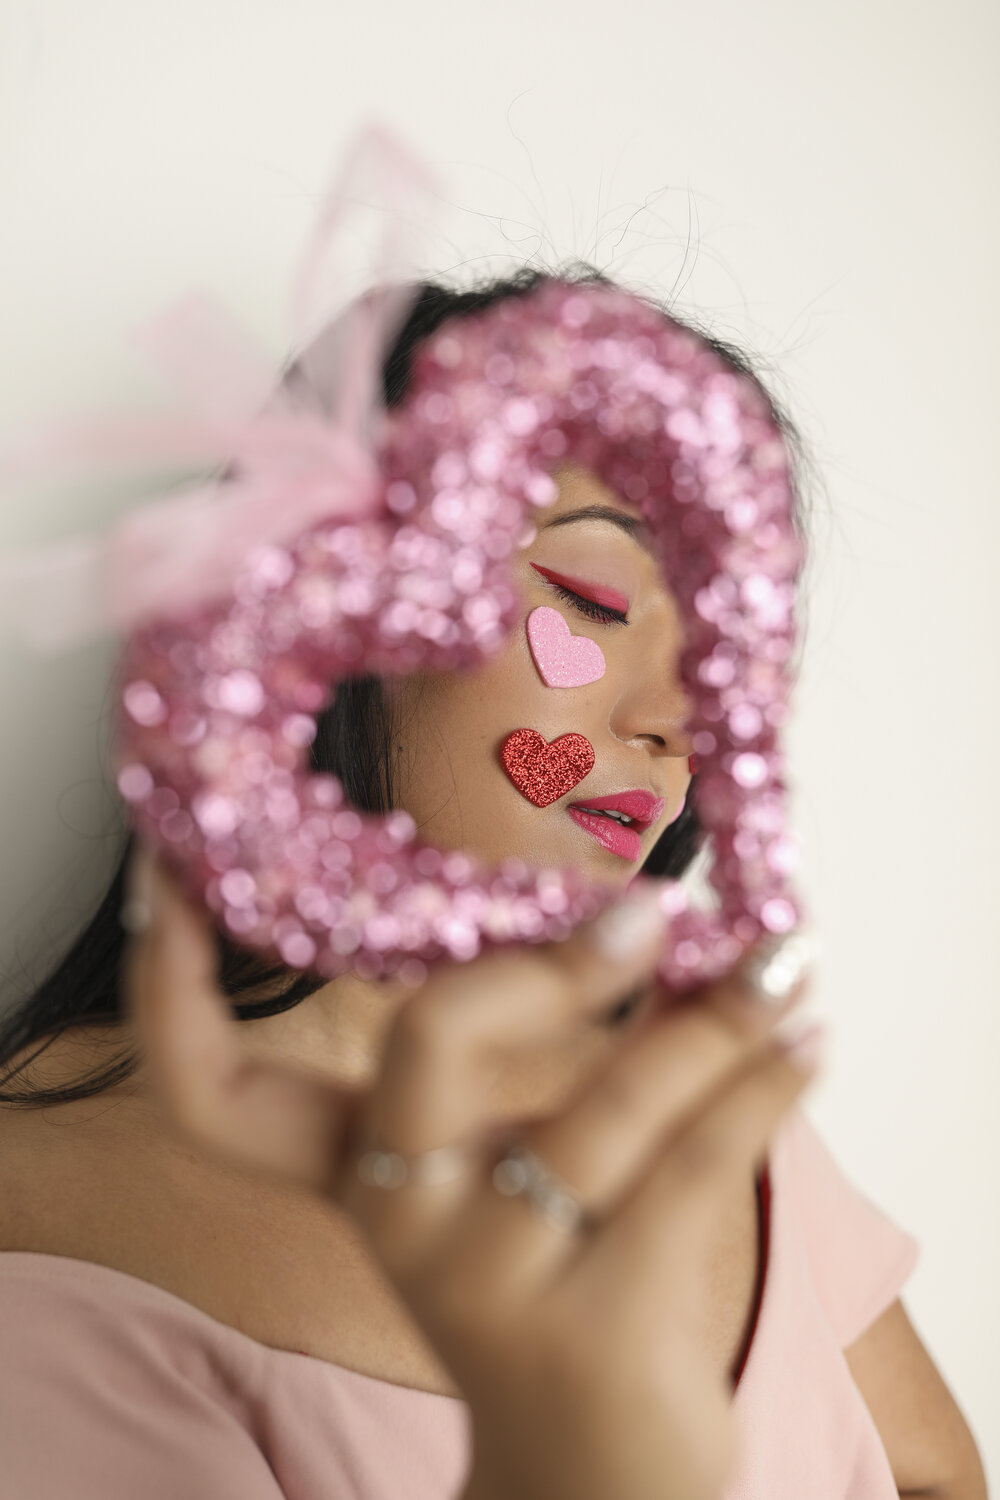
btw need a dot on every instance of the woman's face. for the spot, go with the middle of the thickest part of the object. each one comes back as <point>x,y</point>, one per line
<point>453,784</point>
<point>451,725</point>
<point>451,780</point>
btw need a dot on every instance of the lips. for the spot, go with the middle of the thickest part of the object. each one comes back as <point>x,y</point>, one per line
<point>641,806</point>
<point>623,839</point>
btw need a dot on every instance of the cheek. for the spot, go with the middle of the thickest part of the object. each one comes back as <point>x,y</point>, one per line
<point>461,718</point>
<point>451,726</point>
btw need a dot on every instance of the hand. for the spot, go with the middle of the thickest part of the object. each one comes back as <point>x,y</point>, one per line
<point>577,1354</point>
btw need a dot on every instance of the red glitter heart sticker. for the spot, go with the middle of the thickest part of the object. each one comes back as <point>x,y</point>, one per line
<point>543,771</point>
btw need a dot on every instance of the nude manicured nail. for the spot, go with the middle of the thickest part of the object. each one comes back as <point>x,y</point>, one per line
<point>805,1046</point>
<point>775,970</point>
<point>140,907</point>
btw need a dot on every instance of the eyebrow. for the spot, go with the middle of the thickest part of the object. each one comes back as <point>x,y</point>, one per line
<point>631,525</point>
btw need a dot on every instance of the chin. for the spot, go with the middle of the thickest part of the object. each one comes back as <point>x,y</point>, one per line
<point>578,850</point>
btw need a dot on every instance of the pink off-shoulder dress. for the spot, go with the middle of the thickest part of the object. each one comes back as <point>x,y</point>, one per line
<point>113,1389</point>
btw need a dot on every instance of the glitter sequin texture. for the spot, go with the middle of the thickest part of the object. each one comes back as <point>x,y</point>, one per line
<point>562,659</point>
<point>217,710</point>
<point>545,771</point>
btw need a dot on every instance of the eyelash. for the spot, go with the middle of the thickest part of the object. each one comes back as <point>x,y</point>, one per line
<point>599,612</point>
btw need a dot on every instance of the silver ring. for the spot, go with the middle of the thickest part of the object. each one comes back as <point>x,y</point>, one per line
<point>135,916</point>
<point>390,1169</point>
<point>522,1172</point>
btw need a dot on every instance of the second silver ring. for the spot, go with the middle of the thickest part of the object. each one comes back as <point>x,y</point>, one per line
<point>521,1172</point>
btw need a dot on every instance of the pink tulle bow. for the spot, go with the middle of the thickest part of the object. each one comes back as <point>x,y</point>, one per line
<point>287,468</point>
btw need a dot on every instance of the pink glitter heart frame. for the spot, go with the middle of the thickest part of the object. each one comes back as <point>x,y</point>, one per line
<point>218,709</point>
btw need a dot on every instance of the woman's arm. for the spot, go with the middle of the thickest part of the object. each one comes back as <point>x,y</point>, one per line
<point>931,1449</point>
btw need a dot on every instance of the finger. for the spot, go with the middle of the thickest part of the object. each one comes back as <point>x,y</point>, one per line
<point>444,1043</point>
<point>755,991</point>
<point>664,1229</point>
<point>273,1120</point>
<point>173,952</point>
<point>663,1075</point>
<point>430,1082</point>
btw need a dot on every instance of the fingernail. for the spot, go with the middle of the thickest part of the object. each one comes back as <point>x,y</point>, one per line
<point>142,903</point>
<point>778,966</point>
<point>630,924</point>
<point>804,1045</point>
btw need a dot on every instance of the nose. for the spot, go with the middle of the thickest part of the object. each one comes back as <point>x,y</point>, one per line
<point>652,707</point>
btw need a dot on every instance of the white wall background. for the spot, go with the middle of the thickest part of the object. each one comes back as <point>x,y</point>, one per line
<point>820,181</point>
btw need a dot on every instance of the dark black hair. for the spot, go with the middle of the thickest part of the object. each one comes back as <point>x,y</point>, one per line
<point>353,742</point>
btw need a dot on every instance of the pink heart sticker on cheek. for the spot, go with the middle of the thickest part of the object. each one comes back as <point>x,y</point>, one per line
<point>562,659</point>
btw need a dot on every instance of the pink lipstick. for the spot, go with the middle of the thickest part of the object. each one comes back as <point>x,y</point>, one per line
<point>617,822</point>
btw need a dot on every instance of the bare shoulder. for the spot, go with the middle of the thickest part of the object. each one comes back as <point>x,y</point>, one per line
<point>100,1180</point>
<point>927,1439</point>
<point>76,1178</point>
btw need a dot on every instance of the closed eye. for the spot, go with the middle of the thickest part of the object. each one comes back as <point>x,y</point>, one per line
<point>589,607</point>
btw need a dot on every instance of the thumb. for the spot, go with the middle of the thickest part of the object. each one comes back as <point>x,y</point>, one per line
<point>264,1116</point>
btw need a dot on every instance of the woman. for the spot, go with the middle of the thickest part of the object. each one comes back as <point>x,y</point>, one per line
<point>309,1255</point>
